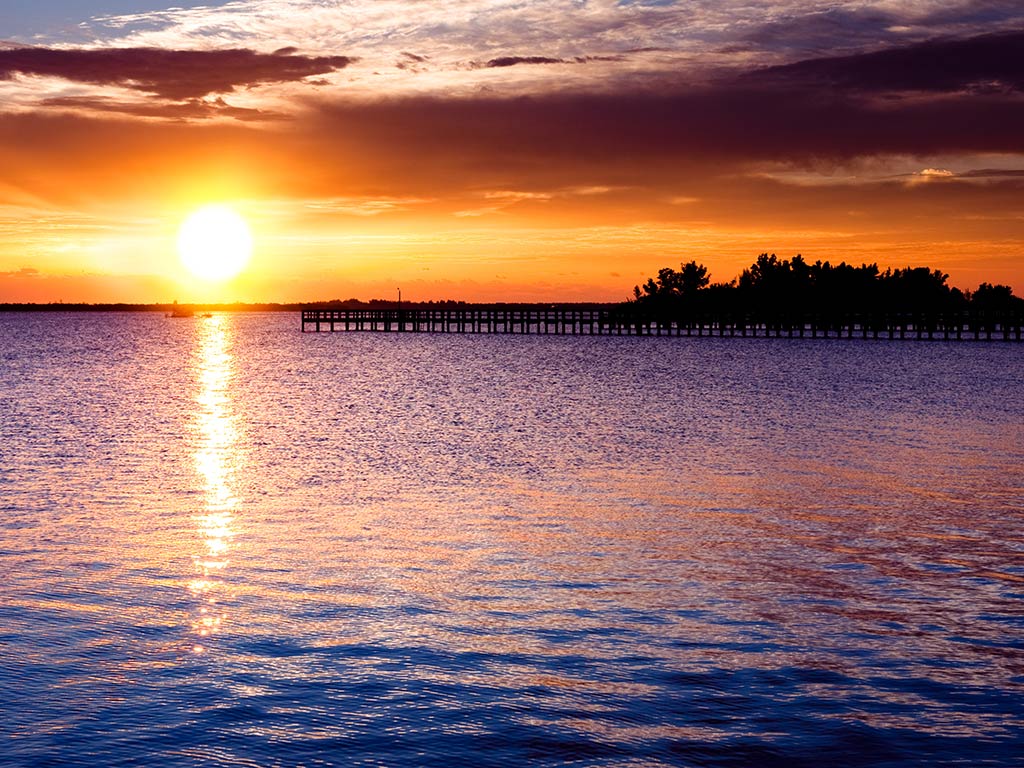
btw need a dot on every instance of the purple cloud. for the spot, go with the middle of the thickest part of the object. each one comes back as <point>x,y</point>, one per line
<point>986,63</point>
<point>171,74</point>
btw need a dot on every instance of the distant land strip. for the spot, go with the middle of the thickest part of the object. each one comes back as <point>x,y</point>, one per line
<point>771,290</point>
<point>57,306</point>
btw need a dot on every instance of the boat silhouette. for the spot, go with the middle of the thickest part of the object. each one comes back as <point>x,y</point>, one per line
<point>180,311</point>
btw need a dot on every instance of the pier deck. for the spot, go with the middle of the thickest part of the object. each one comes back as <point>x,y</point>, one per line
<point>620,322</point>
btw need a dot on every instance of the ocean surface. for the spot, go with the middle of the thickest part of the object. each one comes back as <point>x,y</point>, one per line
<point>224,542</point>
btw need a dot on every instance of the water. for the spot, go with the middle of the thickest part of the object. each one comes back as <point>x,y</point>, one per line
<point>225,542</point>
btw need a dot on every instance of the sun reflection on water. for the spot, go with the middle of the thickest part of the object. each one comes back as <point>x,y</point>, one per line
<point>216,460</point>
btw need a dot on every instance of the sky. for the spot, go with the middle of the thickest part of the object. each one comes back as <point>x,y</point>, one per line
<point>504,149</point>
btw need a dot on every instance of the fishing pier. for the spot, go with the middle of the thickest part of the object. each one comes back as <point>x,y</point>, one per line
<point>623,321</point>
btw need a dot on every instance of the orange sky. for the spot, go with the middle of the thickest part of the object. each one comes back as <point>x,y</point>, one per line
<point>555,157</point>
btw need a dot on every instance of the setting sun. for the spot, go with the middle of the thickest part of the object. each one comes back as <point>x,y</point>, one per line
<point>214,243</point>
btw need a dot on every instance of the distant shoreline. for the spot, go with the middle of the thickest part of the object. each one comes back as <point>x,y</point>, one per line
<point>293,306</point>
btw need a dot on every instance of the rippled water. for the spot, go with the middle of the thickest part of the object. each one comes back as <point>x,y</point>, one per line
<point>226,542</point>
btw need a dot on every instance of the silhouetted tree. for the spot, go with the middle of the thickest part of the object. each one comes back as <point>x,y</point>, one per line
<point>780,290</point>
<point>685,283</point>
<point>995,298</point>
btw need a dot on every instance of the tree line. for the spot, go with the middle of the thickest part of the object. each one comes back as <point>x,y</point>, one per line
<point>784,288</point>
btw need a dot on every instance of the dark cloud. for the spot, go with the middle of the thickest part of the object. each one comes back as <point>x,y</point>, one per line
<point>171,74</point>
<point>727,123</point>
<point>511,61</point>
<point>984,63</point>
<point>588,59</point>
<point>412,62</point>
<point>923,98</point>
<point>993,173</point>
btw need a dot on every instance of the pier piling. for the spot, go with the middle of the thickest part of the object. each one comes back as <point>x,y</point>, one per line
<point>620,321</point>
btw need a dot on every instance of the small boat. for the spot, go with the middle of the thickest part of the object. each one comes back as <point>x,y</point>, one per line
<point>181,312</point>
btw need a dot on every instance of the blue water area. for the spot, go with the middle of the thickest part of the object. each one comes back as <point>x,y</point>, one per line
<point>223,541</point>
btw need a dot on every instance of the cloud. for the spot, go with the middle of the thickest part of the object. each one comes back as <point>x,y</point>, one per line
<point>982,64</point>
<point>816,111</point>
<point>171,74</point>
<point>190,109</point>
<point>970,14</point>
<point>517,196</point>
<point>461,47</point>
<point>511,61</point>
<point>442,145</point>
<point>931,175</point>
<point>590,58</point>
<point>993,173</point>
<point>587,191</point>
<point>356,206</point>
<point>822,30</point>
<point>1004,176</point>
<point>658,133</point>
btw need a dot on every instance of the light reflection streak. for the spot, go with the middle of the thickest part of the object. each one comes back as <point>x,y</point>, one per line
<point>216,460</point>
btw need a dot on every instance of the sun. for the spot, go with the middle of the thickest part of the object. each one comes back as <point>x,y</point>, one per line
<point>214,243</point>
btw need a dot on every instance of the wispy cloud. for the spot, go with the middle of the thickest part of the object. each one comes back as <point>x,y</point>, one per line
<point>189,109</point>
<point>1010,176</point>
<point>517,196</point>
<point>365,206</point>
<point>993,173</point>
<point>502,199</point>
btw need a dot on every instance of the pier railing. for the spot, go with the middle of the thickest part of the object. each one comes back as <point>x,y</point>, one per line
<point>624,321</point>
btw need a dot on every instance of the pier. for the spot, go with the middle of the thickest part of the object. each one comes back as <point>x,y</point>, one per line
<point>621,321</point>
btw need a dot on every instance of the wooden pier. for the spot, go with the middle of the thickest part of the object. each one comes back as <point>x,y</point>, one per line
<point>622,322</point>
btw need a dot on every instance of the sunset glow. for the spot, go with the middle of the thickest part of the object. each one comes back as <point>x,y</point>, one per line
<point>534,151</point>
